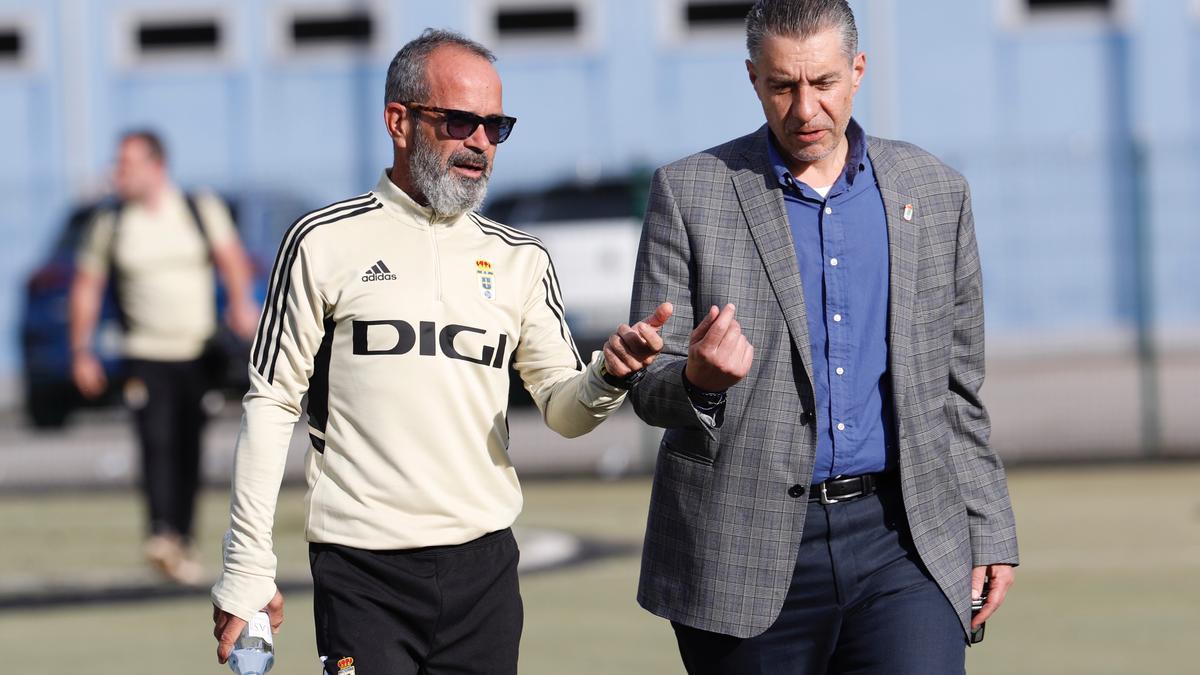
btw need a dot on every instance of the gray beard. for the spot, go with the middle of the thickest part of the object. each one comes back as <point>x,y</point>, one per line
<point>449,195</point>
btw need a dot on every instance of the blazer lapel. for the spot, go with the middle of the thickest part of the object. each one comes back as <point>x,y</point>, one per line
<point>772,234</point>
<point>903,217</point>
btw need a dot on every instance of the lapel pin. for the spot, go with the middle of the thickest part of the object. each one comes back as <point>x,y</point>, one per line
<point>908,210</point>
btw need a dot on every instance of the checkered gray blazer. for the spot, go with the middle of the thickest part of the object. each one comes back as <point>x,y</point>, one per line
<point>722,534</point>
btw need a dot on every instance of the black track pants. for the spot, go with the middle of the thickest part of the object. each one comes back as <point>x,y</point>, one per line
<point>165,397</point>
<point>433,611</point>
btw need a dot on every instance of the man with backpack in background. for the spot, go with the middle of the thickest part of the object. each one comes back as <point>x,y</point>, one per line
<point>158,246</point>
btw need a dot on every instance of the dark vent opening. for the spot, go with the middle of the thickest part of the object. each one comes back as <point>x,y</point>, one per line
<point>345,29</point>
<point>10,44</point>
<point>717,14</point>
<point>182,35</point>
<point>548,21</point>
<point>1060,5</point>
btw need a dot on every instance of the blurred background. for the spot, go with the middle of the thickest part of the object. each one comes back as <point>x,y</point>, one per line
<point>1075,122</point>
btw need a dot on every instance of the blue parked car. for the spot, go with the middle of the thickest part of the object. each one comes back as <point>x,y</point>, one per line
<point>50,394</point>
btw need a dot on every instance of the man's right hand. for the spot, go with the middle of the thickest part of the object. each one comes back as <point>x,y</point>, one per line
<point>227,627</point>
<point>88,374</point>
<point>719,355</point>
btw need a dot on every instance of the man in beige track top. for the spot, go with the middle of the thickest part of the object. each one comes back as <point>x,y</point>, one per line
<point>397,313</point>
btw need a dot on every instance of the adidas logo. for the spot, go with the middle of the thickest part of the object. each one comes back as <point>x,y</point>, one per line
<point>378,272</point>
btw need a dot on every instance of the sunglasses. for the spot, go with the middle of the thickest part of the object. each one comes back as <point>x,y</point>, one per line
<point>460,124</point>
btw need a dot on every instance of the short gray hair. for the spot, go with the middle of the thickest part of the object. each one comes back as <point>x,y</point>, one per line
<point>799,18</point>
<point>406,76</point>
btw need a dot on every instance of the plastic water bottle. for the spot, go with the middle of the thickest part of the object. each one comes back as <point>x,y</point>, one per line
<point>254,651</point>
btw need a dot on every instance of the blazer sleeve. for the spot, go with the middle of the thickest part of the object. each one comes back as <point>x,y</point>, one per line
<point>979,471</point>
<point>664,273</point>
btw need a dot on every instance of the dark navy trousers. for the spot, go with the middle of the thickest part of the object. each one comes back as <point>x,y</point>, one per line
<point>860,602</point>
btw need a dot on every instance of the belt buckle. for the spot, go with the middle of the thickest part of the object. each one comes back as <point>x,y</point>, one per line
<point>825,495</point>
<point>826,499</point>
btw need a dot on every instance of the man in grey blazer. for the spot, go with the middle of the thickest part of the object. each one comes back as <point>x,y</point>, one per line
<point>825,499</point>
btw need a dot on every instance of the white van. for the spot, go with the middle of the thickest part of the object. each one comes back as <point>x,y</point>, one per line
<point>592,232</point>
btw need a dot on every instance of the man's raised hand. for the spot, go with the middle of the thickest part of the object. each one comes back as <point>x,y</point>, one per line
<point>719,355</point>
<point>634,347</point>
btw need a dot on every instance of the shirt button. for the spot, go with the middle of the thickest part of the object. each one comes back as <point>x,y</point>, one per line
<point>833,261</point>
<point>837,317</point>
<point>840,371</point>
<point>828,210</point>
<point>796,491</point>
<point>841,427</point>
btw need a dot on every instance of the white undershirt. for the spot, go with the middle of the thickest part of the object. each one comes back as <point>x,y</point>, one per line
<point>822,190</point>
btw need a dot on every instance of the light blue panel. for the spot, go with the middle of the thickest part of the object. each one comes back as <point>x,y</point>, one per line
<point>312,136</point>
<point>193,114</point>
<point>631,32</point>
<point>1049,217</point>
<point>15,124</point>
<point>102,72</point>
<point>1161,32</point>
<point>944,88</point>
<point>370,135</point>
<point>1177,201</point>
<point>1050,236</point>
<point>23,220</point>
<point>1060,89</point>
<point>1163,110</point>
<point>248,109</point>
<point>420,14</point>
<point>554,132</point>
<point>1175,239</point>
<point>704,99</point>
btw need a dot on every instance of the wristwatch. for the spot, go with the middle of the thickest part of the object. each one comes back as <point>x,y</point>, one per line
<point>626,382</point>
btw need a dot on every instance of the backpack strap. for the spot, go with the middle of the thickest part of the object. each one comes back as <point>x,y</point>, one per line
<point>194,210</point>
<point>118,211</point>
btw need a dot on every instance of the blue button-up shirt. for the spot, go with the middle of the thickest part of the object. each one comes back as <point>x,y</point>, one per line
<point>841,244</point>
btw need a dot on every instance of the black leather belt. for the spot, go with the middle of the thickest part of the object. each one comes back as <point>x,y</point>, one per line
<point>847,488</point>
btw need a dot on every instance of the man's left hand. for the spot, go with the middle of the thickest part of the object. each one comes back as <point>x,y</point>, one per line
<point>1001,579</point>
<point>242,318</point>
<point>634,347</point>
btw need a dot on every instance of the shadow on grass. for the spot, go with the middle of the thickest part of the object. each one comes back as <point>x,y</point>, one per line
<point>110,592</point>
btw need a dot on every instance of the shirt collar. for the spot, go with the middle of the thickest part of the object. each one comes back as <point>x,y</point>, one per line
<point>398,200</point>
<point>856,160</point>
<point>170,197</point>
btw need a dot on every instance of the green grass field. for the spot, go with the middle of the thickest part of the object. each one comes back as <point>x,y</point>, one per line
<point>1111,558</point>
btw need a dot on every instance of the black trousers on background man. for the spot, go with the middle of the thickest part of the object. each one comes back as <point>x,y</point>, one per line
<point>860,603</point>
<point>439,610</point>
<point>165,397</point>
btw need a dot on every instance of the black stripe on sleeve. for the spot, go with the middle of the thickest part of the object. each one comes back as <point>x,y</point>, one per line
<point>562,322</point>
<point>274,282</point>
<point>278,306</point>
<point>554,301</point>
<point>277,333</point>
<point>484,221</point>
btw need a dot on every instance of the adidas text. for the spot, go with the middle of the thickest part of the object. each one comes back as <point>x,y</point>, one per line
<point>379,277</point>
